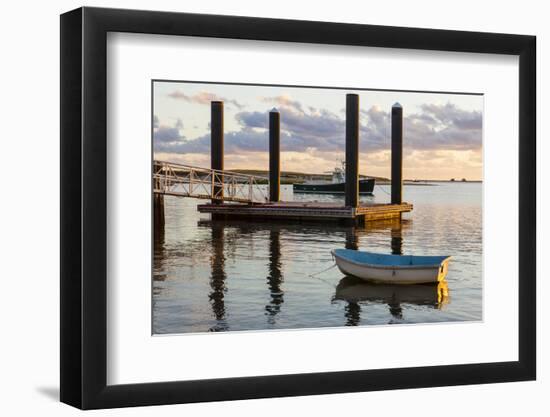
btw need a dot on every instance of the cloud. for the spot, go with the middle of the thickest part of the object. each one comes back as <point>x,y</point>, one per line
<point>285,101</point>
<point>374,129</point>
<point>167,137</point>
<point>449,114</point>
<point>234,142</point>
<point>443,127</point>
<point>300,130</point>
<point>435,127</point>
<point>166,134</point>
<point>203,97</point>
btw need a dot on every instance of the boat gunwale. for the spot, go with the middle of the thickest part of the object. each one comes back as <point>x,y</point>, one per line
<point>406,267</point>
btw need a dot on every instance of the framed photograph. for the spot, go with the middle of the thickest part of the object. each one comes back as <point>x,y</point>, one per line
<point>257,208</point>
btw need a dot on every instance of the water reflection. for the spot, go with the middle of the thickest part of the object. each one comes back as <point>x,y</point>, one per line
<point>352,313</point>
<point>226,236</point>
<point>354,291</point>
<point>218,277</point>
<point>397,239</point>
<point>352,239</point>
<point>223,245</point>
<point>354,234</point>
<point>254,275</point>
<point>275,277</point>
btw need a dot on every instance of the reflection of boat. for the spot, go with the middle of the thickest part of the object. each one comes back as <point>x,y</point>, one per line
<point>391,269</point>
<point>337,186</point>
<point>354,290</point>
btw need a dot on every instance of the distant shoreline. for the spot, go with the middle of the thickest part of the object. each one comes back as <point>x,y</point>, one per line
<point>429,182</point>
<point>291,177</point>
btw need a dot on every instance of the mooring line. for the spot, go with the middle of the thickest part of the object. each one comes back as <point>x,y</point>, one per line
<point>314,275</point>
<point>380,187</point>
<point>324,270</point>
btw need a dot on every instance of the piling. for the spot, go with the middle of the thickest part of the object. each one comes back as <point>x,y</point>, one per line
<point>396,154</point>
<point>158,212</point>
<point>274,155</point>
<point>352,150</point>
<point>216,148</point>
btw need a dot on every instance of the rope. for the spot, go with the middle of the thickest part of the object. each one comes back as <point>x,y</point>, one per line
<point>324,270</point>
<point>321,279</point>
<point>382,189</point>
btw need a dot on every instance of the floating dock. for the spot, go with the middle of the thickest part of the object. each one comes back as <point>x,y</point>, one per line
<point>234,195</point>
<point>304,211</point>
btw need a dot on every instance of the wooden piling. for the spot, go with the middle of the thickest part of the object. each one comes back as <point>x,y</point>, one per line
<point>216,146</point>
<point>274,155</point>
<point>396,154</point>
<point>158,216</point>
<point>352,150</point>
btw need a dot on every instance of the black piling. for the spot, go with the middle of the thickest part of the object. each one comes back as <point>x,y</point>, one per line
<point>216,147</point>
<point>158,215</point>
<point>274,155</point>
<point>352,150</point>
<point>396,154</point>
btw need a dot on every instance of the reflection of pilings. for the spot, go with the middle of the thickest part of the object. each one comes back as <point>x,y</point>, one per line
<point>216,144</point>
<point>352,240</point>
<point>352,150</point>
<point>395,309</point>
<point>396,240</point>
<point>217,279</point>
<point>353,314</point>
<point>274,155</point>
<point>275,278</point>
<point>396,154</point>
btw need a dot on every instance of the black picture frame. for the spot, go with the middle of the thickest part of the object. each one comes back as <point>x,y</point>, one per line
<point>84,179</point>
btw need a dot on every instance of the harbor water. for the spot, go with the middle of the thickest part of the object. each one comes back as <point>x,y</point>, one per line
<point>213,276</point>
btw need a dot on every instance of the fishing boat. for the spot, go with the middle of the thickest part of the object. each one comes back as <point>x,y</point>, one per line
<point>391,269</point>
<point>336,186</point>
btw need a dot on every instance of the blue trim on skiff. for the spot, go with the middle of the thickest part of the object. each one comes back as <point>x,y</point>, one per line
<point>381,259</point>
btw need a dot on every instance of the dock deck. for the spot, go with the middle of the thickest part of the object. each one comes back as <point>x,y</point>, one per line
<point>315,211</point>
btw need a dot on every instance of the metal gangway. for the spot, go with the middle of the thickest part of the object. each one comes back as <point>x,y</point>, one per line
<point>190,181</point>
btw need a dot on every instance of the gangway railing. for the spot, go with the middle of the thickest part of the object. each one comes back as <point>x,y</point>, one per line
<point>205,183</point>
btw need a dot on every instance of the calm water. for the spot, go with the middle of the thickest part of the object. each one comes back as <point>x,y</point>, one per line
<point>224,276</point>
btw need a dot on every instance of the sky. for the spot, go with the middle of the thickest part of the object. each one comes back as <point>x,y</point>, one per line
<point>442,132</point>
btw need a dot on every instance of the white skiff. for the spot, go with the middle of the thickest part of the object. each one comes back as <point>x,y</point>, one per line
<point>391,269</point>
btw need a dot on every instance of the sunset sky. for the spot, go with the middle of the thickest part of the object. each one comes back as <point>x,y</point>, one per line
<point>442,133</point>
